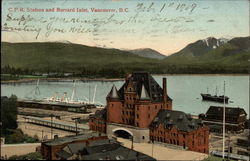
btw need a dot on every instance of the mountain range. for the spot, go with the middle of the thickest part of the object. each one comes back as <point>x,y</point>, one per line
<point>214,51</point>
<point>209,55</point>
<point>147,52</point>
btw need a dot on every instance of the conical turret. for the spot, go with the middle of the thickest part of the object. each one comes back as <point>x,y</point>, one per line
<point>144,93</point>
<point>113,93</point>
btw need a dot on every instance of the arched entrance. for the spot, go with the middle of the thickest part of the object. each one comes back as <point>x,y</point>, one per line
<point>123,133</point>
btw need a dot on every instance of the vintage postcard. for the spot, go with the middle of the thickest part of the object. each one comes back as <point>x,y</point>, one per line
<point>125,79</point>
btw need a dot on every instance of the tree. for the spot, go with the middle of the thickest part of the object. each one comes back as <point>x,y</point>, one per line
<point>8,112</point>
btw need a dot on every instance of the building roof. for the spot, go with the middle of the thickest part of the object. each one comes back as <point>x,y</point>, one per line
<point>230,111</point>
<point>63,154</point>
<point>101,114</point>
<point>117,152</point>
<point>155,92</point>
<point>76,147</point>
<point>103,150</point>
<point>144,94</point>
<point>179,119</point>
<point>113,93</point>
<point>69,139</point>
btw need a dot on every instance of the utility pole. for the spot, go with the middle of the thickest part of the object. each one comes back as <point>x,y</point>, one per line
<point>76,119</point>
<point>51,121</point>
<point>224,111</point>
<point>1,138</point>
<point>42,135</point>
<point>228,153</point>
<point>89,93</point>
<point>152,147</point>
<point>132,144</point>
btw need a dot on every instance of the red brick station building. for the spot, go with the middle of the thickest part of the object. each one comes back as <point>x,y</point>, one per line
<point>142,110</point>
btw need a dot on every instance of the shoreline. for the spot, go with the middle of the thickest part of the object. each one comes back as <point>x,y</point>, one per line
<point>222,74</point>
<point>71,79</point>
<point>27,80</point>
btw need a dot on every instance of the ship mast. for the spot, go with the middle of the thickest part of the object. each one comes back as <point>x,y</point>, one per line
<point>93,101</point>
<point>224,111</point>
<point>73,92</point>
<point>37,90</point>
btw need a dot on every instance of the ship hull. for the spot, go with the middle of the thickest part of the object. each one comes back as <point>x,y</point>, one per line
<point>208,97</point>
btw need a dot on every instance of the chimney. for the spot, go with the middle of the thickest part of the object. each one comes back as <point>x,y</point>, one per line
<point>164,85</point>
<point>126,77</point>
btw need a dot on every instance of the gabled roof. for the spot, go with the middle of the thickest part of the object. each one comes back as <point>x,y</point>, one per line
<point>218,110</point>
<point>154,90</point>
<point>170,118</point>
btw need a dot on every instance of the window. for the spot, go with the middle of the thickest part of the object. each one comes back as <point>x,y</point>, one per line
<point>137,124</point>
<point>148,115</point>
<point>155,106</point>
<point>143,137</point>
<point>137,116</point>
<point>184,136</point>
<point>148,107</point>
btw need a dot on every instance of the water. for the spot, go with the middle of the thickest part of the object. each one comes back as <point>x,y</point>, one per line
<point>183,89</point>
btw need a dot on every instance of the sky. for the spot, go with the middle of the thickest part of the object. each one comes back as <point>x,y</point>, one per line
<point>163,25</point>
